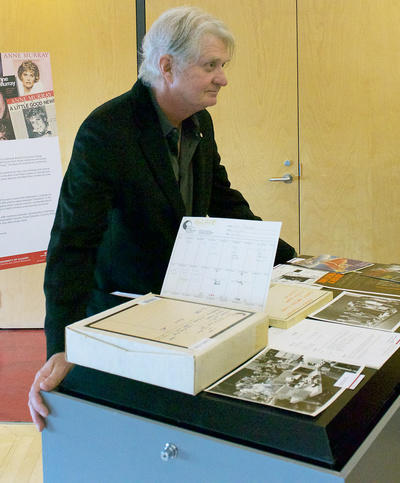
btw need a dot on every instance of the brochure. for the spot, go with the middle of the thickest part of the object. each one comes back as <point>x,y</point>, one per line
<point>330,263</point>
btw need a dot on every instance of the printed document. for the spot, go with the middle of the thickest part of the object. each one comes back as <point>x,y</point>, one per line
<point>223,262</point>
<point>352,345</point>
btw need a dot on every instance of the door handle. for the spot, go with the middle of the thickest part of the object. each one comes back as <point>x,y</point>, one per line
<point>286,178</point>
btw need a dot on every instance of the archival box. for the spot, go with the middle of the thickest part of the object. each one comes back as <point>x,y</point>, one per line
<point>177,344</point>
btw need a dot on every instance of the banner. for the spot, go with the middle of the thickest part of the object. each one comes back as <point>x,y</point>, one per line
<point>30,163</point>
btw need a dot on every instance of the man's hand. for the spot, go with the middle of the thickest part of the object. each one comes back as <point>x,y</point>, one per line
<point>46,379</point>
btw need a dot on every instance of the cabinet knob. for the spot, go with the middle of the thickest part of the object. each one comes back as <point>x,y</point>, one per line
<point>169,452</point>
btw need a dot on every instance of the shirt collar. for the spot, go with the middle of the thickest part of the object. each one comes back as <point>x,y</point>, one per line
<point>166,126</point>
<point>191,123</point>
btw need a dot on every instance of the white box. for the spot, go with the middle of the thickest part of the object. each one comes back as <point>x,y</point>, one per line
<point>177,344</point>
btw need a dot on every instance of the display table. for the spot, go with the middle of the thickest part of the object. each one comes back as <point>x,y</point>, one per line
<point>106,428</point>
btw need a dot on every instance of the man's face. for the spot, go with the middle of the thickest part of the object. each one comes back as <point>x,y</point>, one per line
<point>28,79</point>
<point>197,86</point>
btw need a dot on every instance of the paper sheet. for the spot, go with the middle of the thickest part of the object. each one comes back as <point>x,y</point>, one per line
<point>352,345</point>
<point>223,262</point>
<point>293,274</point>
<point>173,322</point>
<point>30,179</point>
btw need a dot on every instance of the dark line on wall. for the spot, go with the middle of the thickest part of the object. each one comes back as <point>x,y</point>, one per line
<point>299,167</point>
<point>140,28</point>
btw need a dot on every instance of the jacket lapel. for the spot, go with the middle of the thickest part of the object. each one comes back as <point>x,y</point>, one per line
<point>154,148</point>
<point>202,169</point>
<point>201,184</point>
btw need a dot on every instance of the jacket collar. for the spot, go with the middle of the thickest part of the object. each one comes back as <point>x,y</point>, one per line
<point>153,145</point>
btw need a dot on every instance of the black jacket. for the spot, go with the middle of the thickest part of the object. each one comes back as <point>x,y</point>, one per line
<point>120,208</point>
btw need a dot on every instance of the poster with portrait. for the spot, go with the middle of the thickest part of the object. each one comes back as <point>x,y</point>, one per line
<point>30,163</point>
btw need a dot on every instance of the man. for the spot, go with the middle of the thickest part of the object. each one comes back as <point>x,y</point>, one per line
<point>127,187</point>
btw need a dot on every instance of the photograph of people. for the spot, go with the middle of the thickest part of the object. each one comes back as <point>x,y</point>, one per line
<point>3,132</point>
<point>37,122</point>
<point>29,78</point>
<point>7,131</point>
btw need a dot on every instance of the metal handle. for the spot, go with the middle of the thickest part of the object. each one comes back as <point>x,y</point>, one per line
<point>169,452</point>
<point>286,178</point>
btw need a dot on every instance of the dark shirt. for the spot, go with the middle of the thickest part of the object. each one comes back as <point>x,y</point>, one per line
<point>181,160</point>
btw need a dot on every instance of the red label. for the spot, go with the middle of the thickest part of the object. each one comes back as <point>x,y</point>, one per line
<point>22,260</point>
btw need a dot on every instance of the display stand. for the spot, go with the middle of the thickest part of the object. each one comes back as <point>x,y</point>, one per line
<point>86,441</point>
<point>103,427</point>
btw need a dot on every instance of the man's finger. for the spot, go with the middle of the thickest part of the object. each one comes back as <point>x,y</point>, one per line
<point>36,402</point>
<point>36,418</point>
<point>57,374</point>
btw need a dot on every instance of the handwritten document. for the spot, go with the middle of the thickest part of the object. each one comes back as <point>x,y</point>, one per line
<point>224,262</point>
<point>174,322</point>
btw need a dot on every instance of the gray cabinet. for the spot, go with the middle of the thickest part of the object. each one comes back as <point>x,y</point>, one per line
<point>89,442</point>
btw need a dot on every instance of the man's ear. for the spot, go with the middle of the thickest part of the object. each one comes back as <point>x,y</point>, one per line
<point>165,64</point>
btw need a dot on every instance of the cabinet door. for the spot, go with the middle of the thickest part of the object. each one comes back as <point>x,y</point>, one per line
<point>349,78</point>
<point>255,118</point>
<point>92,54</point>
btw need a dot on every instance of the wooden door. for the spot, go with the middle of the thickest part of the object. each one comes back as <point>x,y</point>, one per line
<point>349,98</point>
<point>93,58</point>
<point>255,118</point>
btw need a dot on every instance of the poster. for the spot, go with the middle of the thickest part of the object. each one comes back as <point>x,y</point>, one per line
<point>30,162</point>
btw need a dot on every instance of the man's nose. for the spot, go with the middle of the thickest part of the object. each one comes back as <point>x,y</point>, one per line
<point>220,78</point>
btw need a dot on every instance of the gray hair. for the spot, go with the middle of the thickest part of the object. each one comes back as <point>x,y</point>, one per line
<point>178,32</point>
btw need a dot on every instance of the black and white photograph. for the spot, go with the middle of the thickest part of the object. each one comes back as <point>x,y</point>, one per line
<point>37,122</point>
<point>293,274</point>
<point>363,310</point>
<point>288,381</point>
